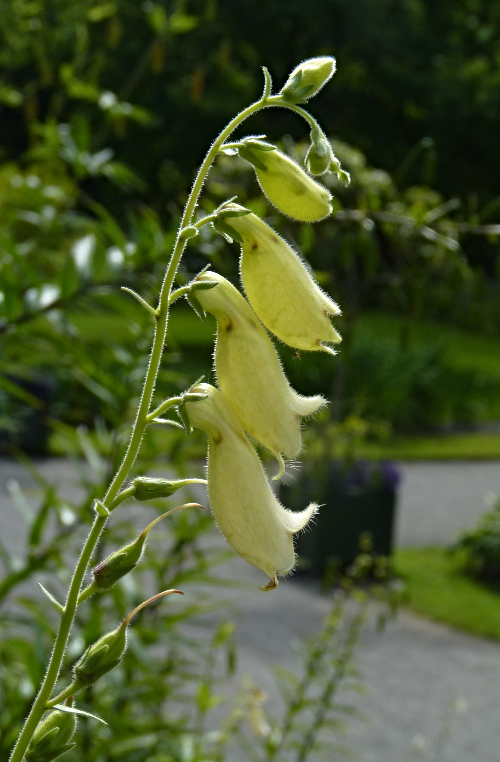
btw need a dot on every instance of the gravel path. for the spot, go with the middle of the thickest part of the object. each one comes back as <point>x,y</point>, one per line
<point>432,692</point>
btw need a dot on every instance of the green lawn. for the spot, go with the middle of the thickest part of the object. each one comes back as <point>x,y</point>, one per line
<point>464,350</point>
<point>439,591</point>
<point>471,446</point>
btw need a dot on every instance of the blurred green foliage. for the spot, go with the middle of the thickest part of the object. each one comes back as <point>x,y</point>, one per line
<point>478,548</point>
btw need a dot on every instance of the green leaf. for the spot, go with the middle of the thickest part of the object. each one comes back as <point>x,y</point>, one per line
<point>53,600</point>
<point>180,23</point>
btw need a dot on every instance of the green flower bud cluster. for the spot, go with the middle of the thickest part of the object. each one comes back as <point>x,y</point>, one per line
<point>52,737</point>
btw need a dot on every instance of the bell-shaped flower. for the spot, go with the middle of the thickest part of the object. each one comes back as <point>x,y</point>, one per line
<point>285,184</point>
<point>249,372</point>
<point>280,289</point>
<point>248,514</point>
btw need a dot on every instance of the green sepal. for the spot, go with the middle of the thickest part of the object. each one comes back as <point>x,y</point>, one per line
<point>42,745</point>
<point>51,737</point>
<point>227,213</point>
<point>194,397</point>
<point>227,231</point>
<point>259,145</point>
<point>181,412</point>
<point>249,155</point>
<point>101,657</point>
<point>203,285</point>
<point>117,565</point>
<point>299,94</point>
<point>194,303</point>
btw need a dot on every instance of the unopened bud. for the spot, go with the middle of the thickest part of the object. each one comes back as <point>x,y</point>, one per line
<point>286,185</point>
<point>308,78</point>
<point>320,155</point>
<point>107,652</point>
<point>118,564</point>
<point>124,560</point>
<point>51,737</point>
<point>149,489</point>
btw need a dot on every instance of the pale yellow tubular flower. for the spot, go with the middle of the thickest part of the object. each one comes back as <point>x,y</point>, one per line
<point>248,514</point>
<point>280,289</point>
<point>249,372</point>
<point>290,189</point>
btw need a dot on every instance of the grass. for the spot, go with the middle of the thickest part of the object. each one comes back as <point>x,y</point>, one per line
<point>438,590</point>
<point>470,446</point>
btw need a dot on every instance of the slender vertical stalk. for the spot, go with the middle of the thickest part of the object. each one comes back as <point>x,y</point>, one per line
<point>140,423</point>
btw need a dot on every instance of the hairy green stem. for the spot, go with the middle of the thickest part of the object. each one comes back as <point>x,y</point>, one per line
<point>161,317</point>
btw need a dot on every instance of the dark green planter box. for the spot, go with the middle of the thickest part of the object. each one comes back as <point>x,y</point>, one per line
<point>350,508</point>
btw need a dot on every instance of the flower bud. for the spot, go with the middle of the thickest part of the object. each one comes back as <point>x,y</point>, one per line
<point>99,658</point>
<point>118,564</point>
<point>320,155</point>
<point>51,737</point>
<point>149,489</point>
<point>308,78</point>
<point>249,372</point>
<point>124,560</point>
<point>280,289</point>
<point>248,514</point>
<point>107,652</point>
<point>286,185</point>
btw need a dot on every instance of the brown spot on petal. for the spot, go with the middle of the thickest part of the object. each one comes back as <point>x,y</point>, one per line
<point>255,246</point>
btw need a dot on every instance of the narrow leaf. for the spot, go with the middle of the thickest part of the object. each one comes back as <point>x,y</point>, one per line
<point>268,83</point>
<point>51,598</point>
<point>71,710</point>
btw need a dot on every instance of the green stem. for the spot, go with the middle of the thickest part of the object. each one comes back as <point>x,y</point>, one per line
<point>56,658</point>
<point>140,423</point>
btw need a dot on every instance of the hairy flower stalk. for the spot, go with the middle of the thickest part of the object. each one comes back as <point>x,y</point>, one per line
<point>248,514</point>
<point>250,375</point>
<point>289,303</point>
<point>280,289</point>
